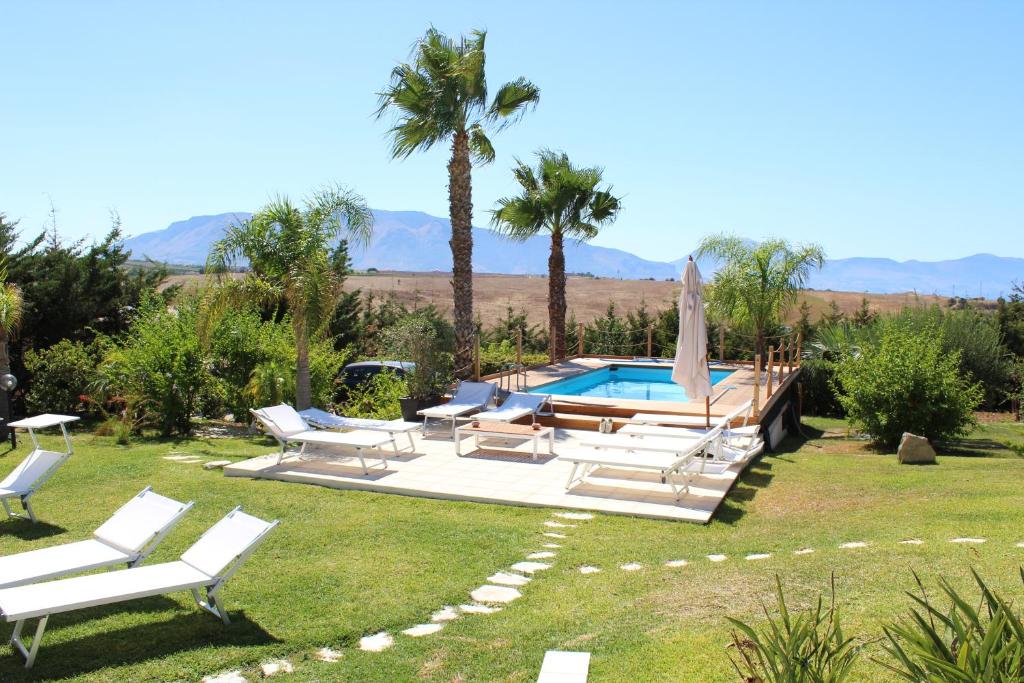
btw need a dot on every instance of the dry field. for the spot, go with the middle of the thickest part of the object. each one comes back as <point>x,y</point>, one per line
<point>588,297</point>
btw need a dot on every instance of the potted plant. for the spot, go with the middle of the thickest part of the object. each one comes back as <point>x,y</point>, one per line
<point>415,339</point>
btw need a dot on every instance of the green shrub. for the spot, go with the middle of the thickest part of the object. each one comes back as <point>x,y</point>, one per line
<point>378,398</point>
<point>61,377</point>
<point>906,382</point>
<point>818,378</point>
<point>415,338</point>
<point>983,641</point>
<point>495,355</point>
<point>807,647</point>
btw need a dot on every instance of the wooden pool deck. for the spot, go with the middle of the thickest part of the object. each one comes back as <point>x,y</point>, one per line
<point>504,476</point>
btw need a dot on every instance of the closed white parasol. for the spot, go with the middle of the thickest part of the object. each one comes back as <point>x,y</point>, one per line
<point>690,369</point>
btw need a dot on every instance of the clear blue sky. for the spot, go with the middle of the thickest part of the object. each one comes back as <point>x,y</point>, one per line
<point>874,128</point>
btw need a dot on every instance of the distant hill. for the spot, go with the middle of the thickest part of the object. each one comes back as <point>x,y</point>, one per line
<point>418,242</point>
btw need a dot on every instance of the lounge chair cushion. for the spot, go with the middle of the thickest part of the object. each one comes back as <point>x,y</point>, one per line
<point>285,418</point>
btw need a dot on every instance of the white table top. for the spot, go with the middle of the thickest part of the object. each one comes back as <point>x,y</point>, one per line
<point>44,420</point>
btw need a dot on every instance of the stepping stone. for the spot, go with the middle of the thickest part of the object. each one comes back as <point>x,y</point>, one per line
<point>225,677</point>
<point>543,555</point>
<point>717,558</point>
<point>587,569</point>
<point>1021,544</point>
<point>853,544</point>
<point>564,667</point>
<point>326,654</point>
<point>530,567</point>
<point>631,567</point>
<point>574,515</point>
<point>676,563</point>
<point>803,551</point>
<point>558,525</point>
<point>180,457</point>
<point>759,556</point>
<point>552,534</point>
<point>506,579</point>
<point>911,541</point>
<point>552,545</point>
<point>488,593</point>
<point>377,642</point>
<point>421,630</point>
<point>446,613</point>
<point>972,541</point>
<point>278,666</point>
<point>216,464</point>
<point>478,609</point>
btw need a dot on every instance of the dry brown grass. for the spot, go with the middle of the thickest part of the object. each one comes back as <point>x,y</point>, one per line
<point>588,297</point>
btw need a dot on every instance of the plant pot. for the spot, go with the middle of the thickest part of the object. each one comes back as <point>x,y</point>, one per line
<point>410,406</point>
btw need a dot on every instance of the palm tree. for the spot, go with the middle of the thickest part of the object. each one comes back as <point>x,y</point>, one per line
<point>11,309</point>
<point>757,283</point>
<point>289,251</point>
<point>440,97</point>
<point>564,201</point>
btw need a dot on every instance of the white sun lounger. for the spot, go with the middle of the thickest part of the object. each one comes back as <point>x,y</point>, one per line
<point>206,566</point>
<point>129,536</point>
<point>38,466</point>
<point>470,397</point>
<point>517,405</point>
<point>677,461</point>
<point>325,420</point>
<point>694,421</point>
<point>738,445</point>
<point>287,426</point>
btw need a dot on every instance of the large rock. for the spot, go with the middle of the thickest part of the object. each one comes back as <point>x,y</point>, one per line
<point>915,450</point>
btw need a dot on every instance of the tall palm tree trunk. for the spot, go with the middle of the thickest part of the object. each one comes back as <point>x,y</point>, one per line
<point>460,207</point>
<point>556,295</point>
<point>303,390</point>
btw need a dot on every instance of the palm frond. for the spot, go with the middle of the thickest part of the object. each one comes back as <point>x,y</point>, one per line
<point>480,145</point>
<point>512,101</point>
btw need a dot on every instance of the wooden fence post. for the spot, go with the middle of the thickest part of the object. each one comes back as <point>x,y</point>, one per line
<point>799,347</point>
<point>650,341</point>
<point>476,357</point>
<point>579,337</point>
<point>757,387</point>
<point>771,372</point>
<point>792,347</point>
<point>782,363</point>
<point>519,346</point>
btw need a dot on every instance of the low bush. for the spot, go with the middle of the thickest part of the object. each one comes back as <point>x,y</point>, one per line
<point>495,355</point>
<point>378,398</point>
<point>818,379</point>
<point>904,381</point>
<point>415,338</point>
<point>62,376</point>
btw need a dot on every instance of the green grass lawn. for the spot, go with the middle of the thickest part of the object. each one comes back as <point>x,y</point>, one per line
<point>347,564</point>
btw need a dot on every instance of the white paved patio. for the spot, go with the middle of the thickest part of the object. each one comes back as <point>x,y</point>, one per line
<point>493,475</point>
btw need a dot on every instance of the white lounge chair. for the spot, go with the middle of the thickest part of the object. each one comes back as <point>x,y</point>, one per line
<point>25,479</point>
<point>129,536</point>
<point>516,406</point>
<point>739,445</point>
<point>676,460</point>
<point>470,397</point>
<point>325,420</point>
<point>206,566</point>
<point>695,421</point>
<point>287,426</point>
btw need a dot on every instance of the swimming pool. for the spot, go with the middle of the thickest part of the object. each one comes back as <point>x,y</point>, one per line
<point>626,382</point>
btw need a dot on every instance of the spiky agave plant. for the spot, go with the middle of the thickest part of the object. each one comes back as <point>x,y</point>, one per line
<point>960,644</point>
<point>794,648</point>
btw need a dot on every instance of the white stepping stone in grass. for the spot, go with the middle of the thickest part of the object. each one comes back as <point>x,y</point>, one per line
<point>853,544</point>
<point>275,667</point>
<point>803,551</point>
<point>225,677</point>
<point>542,555</point>
<point>587,569</point>
<point>554,546</point>
<point>552,534</point>
<point>911,541</point>
<point>446,613</point>
<point>631,567</point>
<point>551,524</point>
<point>378,642</point>
<point>326,654</point>
<point>216,464</point>
<point>501,594</point>
<point>972,541</point>
<point>718,558</point>
<point>759,556</point>
<point>574,515</point>
<point>530,567</point>
<point>506,579</point>
<point>478,609</point>
<point>420,630</point>
<point>1021,544</point>
<point>180,456</point>
<point>676,563</point>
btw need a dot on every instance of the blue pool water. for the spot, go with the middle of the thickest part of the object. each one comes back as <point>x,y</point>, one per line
<point>624,381</point>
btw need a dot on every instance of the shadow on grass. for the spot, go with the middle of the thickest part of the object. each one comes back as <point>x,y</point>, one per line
<point>130,645</point>
<point>27,531</point>
<point>982,448</point>
<point>756,477</point>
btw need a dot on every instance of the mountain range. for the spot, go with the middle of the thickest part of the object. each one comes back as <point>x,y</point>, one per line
<point>416,241</point>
